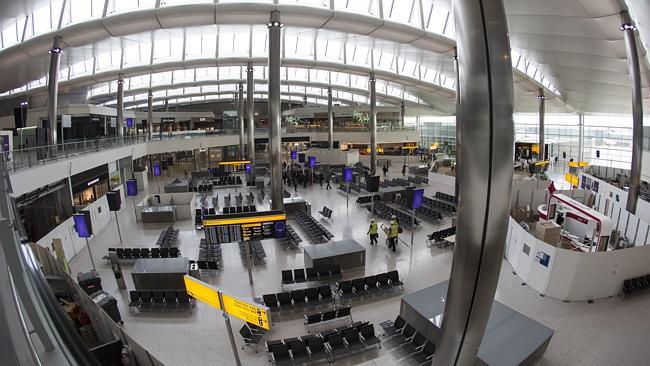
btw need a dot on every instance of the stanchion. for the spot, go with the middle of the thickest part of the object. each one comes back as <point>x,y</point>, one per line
<point>90,254</point>
<point>230,334</point>
<point>119,233</point>
<point>412,233</point>
<point>249,261</point>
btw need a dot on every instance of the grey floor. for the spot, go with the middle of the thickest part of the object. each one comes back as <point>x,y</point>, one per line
<point>607,332</point>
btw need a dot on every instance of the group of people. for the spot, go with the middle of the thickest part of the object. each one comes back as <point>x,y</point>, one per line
<point>393,233</point>
<point>294,174</point>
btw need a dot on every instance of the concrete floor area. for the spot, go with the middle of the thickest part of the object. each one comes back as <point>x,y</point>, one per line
<point>606,332</point>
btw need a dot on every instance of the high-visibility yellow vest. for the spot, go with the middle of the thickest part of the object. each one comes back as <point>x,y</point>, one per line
<point>373,228</point>
<point>393,230</point>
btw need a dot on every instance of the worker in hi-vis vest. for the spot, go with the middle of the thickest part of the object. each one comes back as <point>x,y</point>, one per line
<point>372,232</point>
<point>393,233</point>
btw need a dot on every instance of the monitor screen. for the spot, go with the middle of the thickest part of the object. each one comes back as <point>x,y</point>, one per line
<point>81,225</point>
<point>301,158</point>
<point>156,169</point>
<point>418,195</point>
<point>294,155</point>
<point>312,161</point>
<point>347,174</point>
<point>129,122</point>
<point>131,188</point>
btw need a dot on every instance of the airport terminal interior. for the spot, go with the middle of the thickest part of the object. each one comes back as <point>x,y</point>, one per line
<point>289,182</point>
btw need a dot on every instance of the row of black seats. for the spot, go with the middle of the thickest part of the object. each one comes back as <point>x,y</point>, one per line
<point>201,188</point>
<point>439,205</point>
<point>418,180</point>
<point>326,212</point>
<point>239,209</point>
<point>419,348</point>
<point>425,211</point>
<point>257,252</point>
<point>325,316</point>
<point>167,237</point>
<point>362,200</point>
<point>298,298</point>
<point>635,284</point>
<point>319,273</point>
<point>399,182</point>
<point>329,345</point>
<point>440,235</point>
<point>292,239</point>
<point>159,300</point>
<point>209,251</point>
<point>386,212</point>
<point>446,197</point>
<point>137,253</point>
<point>205,265</point>
<point>227,181</point>
<point>314,229</point>
<point>369,284</point>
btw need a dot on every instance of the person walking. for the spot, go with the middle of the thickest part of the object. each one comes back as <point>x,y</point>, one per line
<point>327,180</point>
<point>295,185</point>
<point>403,170</point>
<point>320,178</point>
<point>372,232</point>
<point>385,170</point>
<point>393,234</point>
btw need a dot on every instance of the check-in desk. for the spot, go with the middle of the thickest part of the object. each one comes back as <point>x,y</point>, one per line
<point>346,253</point>
<point>421,169</point>
<point>156,274</point>
<point>510,337</point>
<point>388,193</point>
<point>159,214</point>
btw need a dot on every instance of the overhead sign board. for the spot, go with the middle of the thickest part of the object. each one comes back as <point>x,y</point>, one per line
<point>202,291</point>
<point>251,313</point>
<point>241,309</point>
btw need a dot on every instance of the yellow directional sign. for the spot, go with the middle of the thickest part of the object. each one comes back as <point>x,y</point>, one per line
<point>245,311</point>
<point>202,291</point>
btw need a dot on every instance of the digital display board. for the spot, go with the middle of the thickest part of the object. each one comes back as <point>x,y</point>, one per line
<point>156,169</point>
<point>418,195</point>
<point>131,188</point>
<point>347,174</point>
<point>294,155</point>
<point>129,122</point>
<point>301,158</point>
<point>82,224</point>
<point>312,161</point>
<point>245,226</point>
<point>248,168</point>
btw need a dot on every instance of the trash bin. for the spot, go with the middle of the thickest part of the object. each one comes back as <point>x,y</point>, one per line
<point>108,304</point>
<point>90,282</point>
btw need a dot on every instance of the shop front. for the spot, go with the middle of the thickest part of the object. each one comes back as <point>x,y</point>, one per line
<point>89,186</point>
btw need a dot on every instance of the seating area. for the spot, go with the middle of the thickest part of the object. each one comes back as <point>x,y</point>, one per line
<point>168,237</point>
<point>227,181</point>
<point>314,229</point>
<point>252,335</point>
<point>369,285</point>
<point>239,209</point>
<point>327,316</point>
<point>201,187</point>
<point>209,251</point>
<point>436,204</point>
<point>416,179</point>
<point>296,299</point>
<point>332,344</point>
<point>326,212</point>
<point>138,253</point>
<point>425,211</point>
<point>636,284</point>
<point>414,343</point>
<point>437,238</point>
<point>446,197</point>
<point>320,273</point>
<point>364,200</point>
<point>386,212</point>
<point>292,240</point>
<point>160,301</point>
<point>257,252</point>
<point>204,265</point>
<point>354,187</point>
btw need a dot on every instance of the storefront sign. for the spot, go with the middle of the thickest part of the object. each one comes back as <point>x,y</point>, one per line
<point>92,182</point>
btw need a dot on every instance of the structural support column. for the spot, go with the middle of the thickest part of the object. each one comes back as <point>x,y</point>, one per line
<point>485,115</point>
<point>458,129</point>
<point>330,119</point>
<point>119,123</point>
<point>402,113</point>
<point>250,114</point>
<point>581,135</point>
<point>53,90</point>
<point>373,125</point>
<point>275,40</point>
<point>149,114</point>
<point>240,117</point>
<point>541,98</point>
<point>637,111</point>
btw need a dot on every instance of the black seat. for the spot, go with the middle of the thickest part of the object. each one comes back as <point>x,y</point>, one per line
<point>325,292</point>
<point>287,277</point>
<point>284,298</point>
<point>312,294</point>
<point>407,334</point>
<point>312,318</point>
<point>298,297</point>
<point>426,353</point>
<point>323,271</point>
<point>352,339</point>
<point>158,298</point>
<point>359,285</point>
<point>382,281</point>
<point>312,274</point>
<point>393,277</point>
<point>336,344</point>
<point>345,288</point>
<point>343,312</point>
<point>280,354</point>
<point>170,298</point>
<point>298,351</point>
<point>371,283</point>
<point>329,315</point>
<point>270,301</point>
<point>134,299</point>
<point>393,328</point>
<point>250,338</point>
<point>416,343</point>
<point>368,335</point>
<point>299,275</point>
<point>316,348</point>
